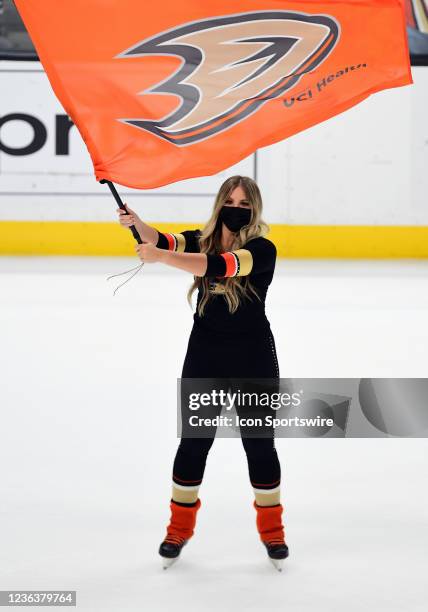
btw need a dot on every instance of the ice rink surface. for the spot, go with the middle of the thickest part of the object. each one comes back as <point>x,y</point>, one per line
<point>88,414</point>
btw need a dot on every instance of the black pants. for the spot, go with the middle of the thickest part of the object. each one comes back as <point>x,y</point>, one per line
<point>208,356</point>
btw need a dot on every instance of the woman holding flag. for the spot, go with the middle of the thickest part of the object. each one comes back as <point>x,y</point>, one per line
<point>233,264</point>
<point>232,100</point>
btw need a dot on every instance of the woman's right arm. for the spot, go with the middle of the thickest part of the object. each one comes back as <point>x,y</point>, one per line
<point>147,232</point>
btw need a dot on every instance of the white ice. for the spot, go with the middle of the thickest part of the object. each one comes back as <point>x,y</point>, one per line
<point>88,437</point>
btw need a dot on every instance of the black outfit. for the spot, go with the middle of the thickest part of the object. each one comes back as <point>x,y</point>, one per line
<point>230,345</point>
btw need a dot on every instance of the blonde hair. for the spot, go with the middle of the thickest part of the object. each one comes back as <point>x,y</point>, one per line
<point>236,287</point>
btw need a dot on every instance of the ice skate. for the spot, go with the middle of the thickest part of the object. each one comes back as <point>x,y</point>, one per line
<point>271,531</point>
<point>179,531</point>
<point>277,552</point>
<point>170,551</point>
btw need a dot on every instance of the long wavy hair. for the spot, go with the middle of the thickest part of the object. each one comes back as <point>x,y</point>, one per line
<point>236,287</point>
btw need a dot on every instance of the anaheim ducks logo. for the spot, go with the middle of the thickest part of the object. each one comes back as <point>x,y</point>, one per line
<point>231,66</point>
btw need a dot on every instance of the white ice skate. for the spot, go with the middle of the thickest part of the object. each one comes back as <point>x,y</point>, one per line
<point>277,563</point>
<point>166,563</point>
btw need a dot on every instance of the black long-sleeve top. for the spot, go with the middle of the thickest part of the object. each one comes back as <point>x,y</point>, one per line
<point>256,259</point>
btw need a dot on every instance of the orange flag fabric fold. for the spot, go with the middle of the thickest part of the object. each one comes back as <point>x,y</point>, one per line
<point>166,92</point>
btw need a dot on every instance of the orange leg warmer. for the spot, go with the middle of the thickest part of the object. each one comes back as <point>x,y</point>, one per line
<point>182,522</point>
<point>269,523</point>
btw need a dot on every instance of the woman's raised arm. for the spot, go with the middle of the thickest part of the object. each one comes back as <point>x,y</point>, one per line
<point>147,232</point>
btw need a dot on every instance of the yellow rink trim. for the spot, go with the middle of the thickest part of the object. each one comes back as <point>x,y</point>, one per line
<point>325,241</point>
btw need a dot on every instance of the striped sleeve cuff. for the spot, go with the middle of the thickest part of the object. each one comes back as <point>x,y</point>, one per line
<point>231,263</point>
<point>171,242</point>
<point>238,263</point>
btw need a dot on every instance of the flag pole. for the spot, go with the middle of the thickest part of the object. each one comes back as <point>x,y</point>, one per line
<point>123,207</point>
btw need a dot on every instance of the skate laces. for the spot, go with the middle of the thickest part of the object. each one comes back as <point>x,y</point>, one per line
<point>276,542</point>
<point>174,539</point>
<point>126,271</point>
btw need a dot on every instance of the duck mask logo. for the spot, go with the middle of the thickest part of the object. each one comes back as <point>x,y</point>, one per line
<point>231,66</point>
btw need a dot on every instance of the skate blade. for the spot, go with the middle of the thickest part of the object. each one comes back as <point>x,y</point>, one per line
<point>277,563</point>
<point>166,562</point>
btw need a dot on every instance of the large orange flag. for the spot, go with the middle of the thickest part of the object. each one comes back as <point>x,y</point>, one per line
<point>179,89</point>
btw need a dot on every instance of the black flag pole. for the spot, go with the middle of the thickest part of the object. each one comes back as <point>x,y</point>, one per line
<point>123,207</point>
<point>132,228</point>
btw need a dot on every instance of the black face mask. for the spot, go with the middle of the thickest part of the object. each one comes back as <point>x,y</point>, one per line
<point>235,217</point>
